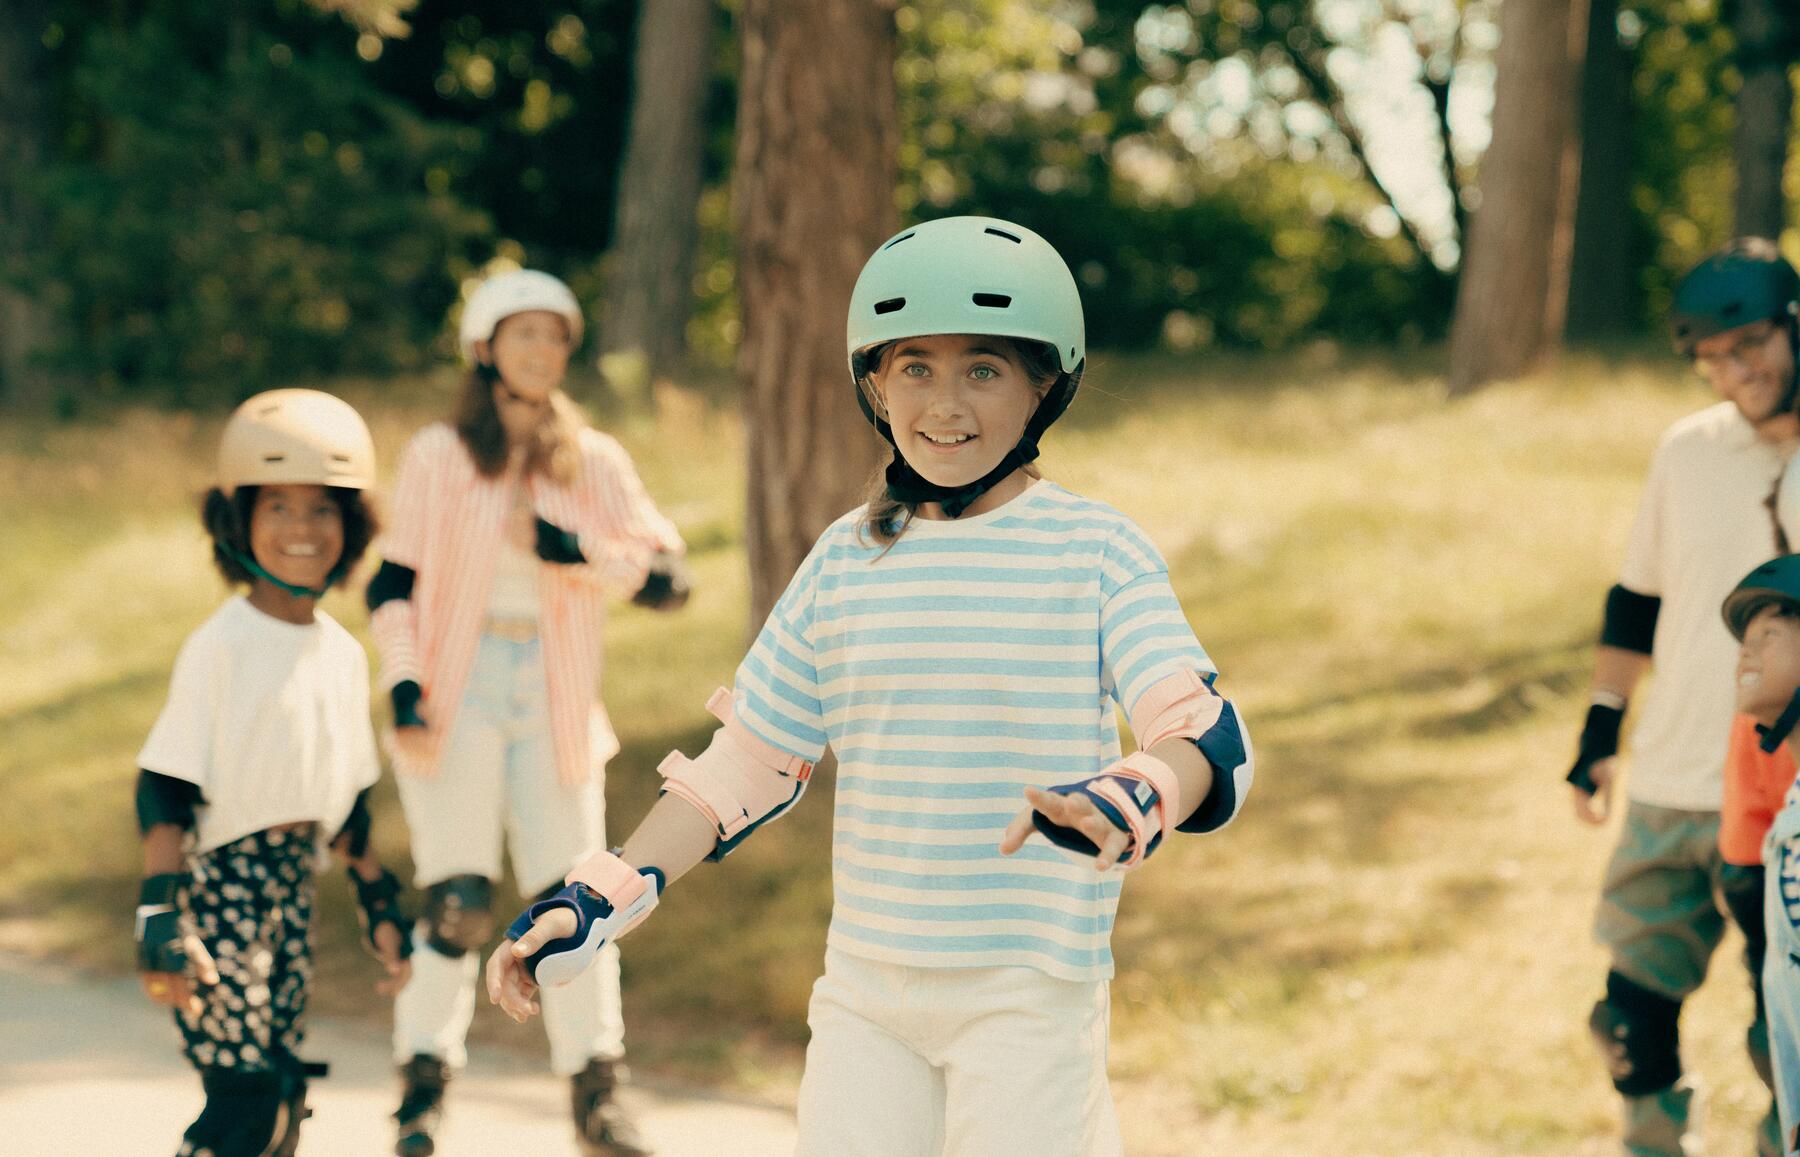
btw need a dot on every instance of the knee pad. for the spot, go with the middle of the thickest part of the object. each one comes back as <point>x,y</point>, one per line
<point>245,1115</point>
<point>459,914</point>
<point>1637,1031</point>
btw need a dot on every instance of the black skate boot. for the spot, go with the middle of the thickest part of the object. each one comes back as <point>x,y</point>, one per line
<point>421,1105</point>
<point>602,1127</point>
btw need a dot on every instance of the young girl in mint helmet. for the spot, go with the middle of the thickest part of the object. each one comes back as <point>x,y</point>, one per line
<point>959,642</point>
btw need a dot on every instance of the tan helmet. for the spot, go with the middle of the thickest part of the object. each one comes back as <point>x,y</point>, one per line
<point>302,437</point>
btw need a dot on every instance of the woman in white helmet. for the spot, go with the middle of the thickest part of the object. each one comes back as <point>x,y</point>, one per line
<point>262,754</point>
<point>959,642</point>
<point>512,524</point>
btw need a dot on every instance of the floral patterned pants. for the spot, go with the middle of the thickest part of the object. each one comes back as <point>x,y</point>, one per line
<point>251,901</point>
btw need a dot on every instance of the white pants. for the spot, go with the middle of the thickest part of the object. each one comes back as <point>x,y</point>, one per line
<point>965,1062</point>
<point>497,782</point>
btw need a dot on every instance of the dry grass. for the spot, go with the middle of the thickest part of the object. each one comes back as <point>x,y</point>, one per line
<point>1388,954</point>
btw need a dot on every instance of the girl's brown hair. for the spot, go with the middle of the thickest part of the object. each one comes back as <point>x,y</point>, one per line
<point>887,517</point>
<point>554,450</point>
<point>227,521</point>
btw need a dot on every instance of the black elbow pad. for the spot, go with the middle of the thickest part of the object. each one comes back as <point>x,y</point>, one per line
<point>163,799</point>
<point>355,832</point>
<point>391,582</point>
<point>1630,622</point>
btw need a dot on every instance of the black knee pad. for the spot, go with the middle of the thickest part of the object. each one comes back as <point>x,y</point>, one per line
<point>245,1115</point>
<point>459,914</point>
<point>1638,1034</point>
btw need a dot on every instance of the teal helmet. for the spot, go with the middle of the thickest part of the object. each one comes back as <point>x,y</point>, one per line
<point>1745,282</point>
<point>1773,584</point>
<point>967,275</point>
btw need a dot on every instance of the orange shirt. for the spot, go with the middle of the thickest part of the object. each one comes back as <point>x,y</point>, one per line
<point>1755,784</point>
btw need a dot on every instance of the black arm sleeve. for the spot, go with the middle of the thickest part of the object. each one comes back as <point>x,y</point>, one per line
<point>356,826</point>
<point>163,799</point>
<point>1630,622</point>
<point>391,582</point>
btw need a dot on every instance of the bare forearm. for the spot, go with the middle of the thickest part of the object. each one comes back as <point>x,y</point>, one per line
<point>1191,770</point>
<point>673,838</point>
<point>1618,671</point>
<point>162,849</point>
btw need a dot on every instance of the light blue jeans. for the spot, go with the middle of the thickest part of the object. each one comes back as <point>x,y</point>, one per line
<point>496,784</point>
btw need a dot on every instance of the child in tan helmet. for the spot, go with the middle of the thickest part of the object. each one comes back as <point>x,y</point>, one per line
<point>262,755</point>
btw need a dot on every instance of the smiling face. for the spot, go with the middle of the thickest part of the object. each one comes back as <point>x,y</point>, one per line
<point>957,403</point>
<point>1751,367</point>
<point>531,350</point>
<point>1768,667</point>
<point>296,533</point>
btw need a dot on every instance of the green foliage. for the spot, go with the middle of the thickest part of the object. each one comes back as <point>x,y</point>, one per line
<point>235,205</point>
<point>1040,113</point>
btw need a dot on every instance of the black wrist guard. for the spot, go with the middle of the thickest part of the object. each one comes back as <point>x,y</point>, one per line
<point>1599,740</point>
<point>554,544</point>
<point>406,695</point>
<point>378,903</point>
<point>667,586</point>
<point>158,923</point>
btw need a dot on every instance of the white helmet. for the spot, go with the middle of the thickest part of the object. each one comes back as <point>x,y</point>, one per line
<point>501,296</point>
<point>302,437</point>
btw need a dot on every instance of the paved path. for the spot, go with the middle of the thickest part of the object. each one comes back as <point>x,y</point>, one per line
<point>88,1068</point>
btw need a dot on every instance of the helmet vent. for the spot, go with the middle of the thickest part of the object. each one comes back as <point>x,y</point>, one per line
<point>344,458</point>
<point>993,300</point>
<point>896,241</point>
<point>891,305</point>
<point>1003,233</point>
<point>274,457</point>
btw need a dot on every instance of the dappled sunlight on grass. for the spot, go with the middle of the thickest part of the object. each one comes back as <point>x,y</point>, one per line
<point>1388,953</point>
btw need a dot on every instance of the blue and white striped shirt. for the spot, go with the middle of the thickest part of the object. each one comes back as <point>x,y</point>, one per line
<point>975,657</point>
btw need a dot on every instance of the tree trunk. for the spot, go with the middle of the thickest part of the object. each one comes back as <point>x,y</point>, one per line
<point>1603,301</point>
<point>1764,107</point>
<point>816,140</point>
<point>1514,288</point>
<point>649,285</point>
<point>26,325</point>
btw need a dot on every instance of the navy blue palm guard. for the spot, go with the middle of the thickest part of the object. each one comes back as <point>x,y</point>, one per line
<point>1065,837</point>
<point>563,959</point>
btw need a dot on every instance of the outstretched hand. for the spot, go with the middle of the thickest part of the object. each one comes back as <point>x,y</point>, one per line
<point>1594,807</point>
<point>180,989</point>
<point>1069,811</point>
<point>509,981</point>
<point>397,967</point>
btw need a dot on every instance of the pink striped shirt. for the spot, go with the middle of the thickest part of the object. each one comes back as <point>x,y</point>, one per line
<point>447,524</point>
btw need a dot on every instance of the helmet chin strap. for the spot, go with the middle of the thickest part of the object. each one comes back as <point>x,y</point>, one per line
<point>904,484</point>
<point>299,592</point>
<point>1775,733</point>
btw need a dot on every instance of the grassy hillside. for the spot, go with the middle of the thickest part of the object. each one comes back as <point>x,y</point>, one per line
<point>1387,954</point>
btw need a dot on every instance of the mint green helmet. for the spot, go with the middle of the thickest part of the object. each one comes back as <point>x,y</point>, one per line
<point>973,275</point>
<point>966,275</point>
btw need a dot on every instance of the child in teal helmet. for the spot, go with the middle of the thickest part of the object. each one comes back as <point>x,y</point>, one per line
<point>959,642</point>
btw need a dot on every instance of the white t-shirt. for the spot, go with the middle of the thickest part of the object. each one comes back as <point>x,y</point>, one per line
<point>1702,526</point>
<point>270,719</point>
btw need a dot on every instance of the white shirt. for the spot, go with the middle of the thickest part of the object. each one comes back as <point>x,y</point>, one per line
<point>1701,527</point>
<point>270,719</point>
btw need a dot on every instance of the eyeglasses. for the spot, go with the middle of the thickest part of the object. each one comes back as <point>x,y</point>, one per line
<point>1745,350</point>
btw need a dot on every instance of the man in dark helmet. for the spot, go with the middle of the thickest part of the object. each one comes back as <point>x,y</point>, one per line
<point>1706,517</point>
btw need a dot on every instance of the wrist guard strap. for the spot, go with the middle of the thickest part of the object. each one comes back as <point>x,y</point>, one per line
<point>157,927</point>
<point>1599,740</point>
<point>378,903</point>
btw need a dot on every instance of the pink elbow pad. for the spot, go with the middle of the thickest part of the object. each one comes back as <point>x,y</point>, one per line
<point>739,779</point>
<point>1179,706</point>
